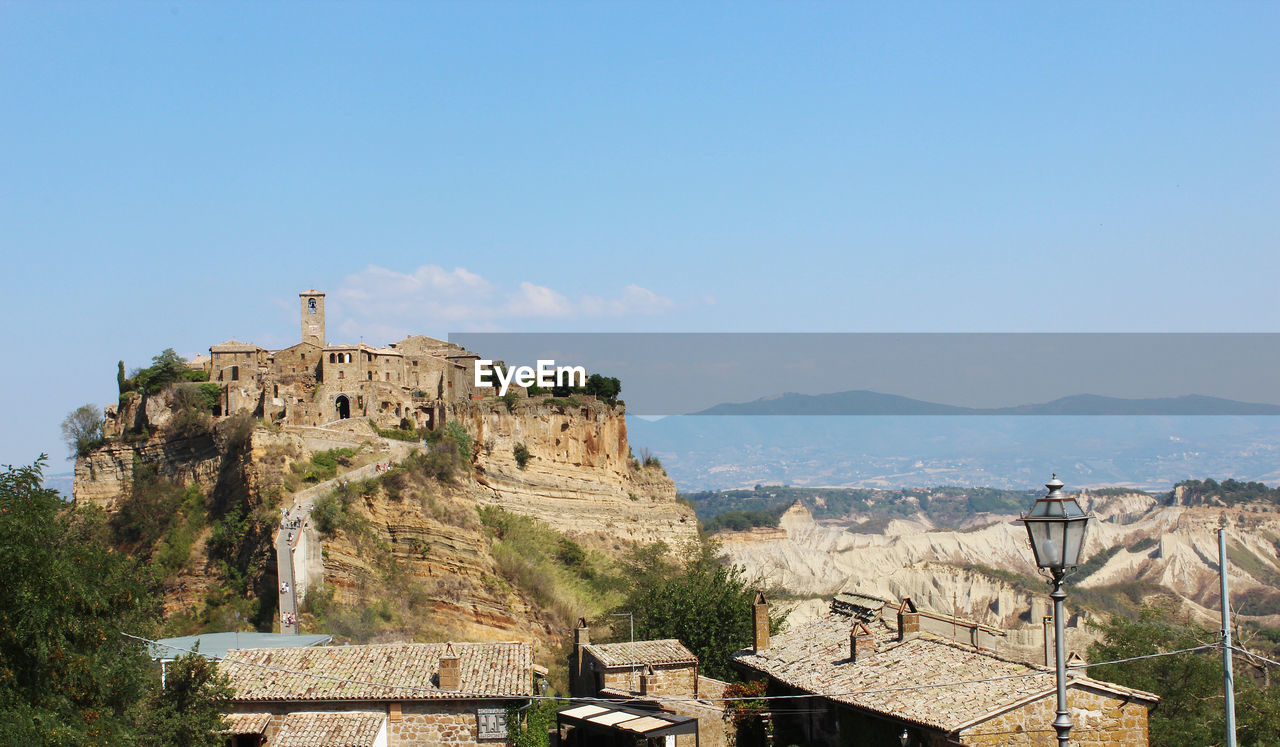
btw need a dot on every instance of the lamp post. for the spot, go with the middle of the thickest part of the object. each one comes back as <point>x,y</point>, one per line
<point>1057,526</point>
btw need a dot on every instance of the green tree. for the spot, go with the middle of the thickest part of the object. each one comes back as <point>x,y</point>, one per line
<point>165,368</point>
<point>82,430</point>
<point>606,388</point>
<point>695,598</point>
<point>531,726</point>
<point>186,712</point>
<point>1189,685</point>
<point>67,674</point>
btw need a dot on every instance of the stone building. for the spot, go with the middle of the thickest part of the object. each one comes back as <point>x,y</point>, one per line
<point>887,678</point>
<point>660,676</point>
<point>316,382</point>
<point>429,694</point>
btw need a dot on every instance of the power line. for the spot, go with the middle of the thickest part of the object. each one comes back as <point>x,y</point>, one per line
<point>1147,656</point>
<point>1246,652</point>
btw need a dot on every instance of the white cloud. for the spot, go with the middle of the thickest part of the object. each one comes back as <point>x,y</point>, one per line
<point>384,304</point>
<point>538,301</point>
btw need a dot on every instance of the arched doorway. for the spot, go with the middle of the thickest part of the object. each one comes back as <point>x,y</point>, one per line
<point>343,406</point>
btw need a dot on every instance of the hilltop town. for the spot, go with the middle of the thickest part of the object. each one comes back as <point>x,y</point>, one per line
<point>450,536</point>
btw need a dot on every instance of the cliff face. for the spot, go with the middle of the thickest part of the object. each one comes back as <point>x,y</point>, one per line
<point>445,572</point>
<point>103,477</point>
<point>579,476</point>
<point>421,547</point>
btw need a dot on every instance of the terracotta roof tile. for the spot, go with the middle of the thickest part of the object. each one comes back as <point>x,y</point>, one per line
<point>668,651</point>
<point>351,729</point>
<point>245,723</point>
<point>814,657</point>
<point>403,671</point>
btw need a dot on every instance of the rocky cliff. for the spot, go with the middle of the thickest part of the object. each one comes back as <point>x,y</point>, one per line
<point>578,475</point>
<point>417,551</point>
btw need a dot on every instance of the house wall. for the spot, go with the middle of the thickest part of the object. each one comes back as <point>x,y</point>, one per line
<point>673,680</point>
<point>447,724</point>
<point>419,724</point>
<point>1100,720</point>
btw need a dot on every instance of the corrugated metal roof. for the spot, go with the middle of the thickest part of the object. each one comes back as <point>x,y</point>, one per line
<point>216,645</point>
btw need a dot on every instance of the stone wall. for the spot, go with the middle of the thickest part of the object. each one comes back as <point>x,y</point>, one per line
<point>1100,720</point>
<point>670,680</point>
<point>446,724</point>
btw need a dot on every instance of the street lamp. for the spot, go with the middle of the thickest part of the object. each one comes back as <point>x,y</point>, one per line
<point>1057,527</point>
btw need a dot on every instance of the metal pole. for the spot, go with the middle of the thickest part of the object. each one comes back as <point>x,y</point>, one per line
<point>1228,680</point>
<point>1063,722</point>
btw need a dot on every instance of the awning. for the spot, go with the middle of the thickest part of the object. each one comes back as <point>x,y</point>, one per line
<point>615,719</point>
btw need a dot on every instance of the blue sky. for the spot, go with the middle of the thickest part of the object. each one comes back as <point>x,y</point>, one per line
<point>172,174</point>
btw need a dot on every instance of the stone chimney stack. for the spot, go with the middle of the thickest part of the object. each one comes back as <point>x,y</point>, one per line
<point>581,637</point>
<point>908,620</point>
<point>1047,625</point>
<point>861,642</point>
<point>760,623</point>
<point>646,680</point>
<point>450,669</point>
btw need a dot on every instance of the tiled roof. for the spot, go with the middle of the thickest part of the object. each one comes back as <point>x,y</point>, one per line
<point>245,723</point>
<point>351,729</point>
<point>402,671</point>
<point>234,346</point>
<point>814,657</point>
<point>669,651</point>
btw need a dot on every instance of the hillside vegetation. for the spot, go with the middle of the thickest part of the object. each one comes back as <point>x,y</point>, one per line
<point>945,507</point>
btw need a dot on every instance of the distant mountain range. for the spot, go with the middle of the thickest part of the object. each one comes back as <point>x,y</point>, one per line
<point>863,402</point>
<point>1003,451</point>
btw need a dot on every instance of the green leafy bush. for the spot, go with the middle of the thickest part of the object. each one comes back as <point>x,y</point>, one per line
<point>521,453</point>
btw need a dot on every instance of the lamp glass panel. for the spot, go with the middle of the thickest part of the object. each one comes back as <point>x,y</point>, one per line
<point>1074,531</point>
<point>1047,543</point>
<point>1047,509</point>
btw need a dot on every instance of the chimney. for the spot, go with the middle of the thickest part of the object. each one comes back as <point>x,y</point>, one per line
<point>581,637</point>
<point>450,669</point>
<point>646,680</point>
<point>908,620</point>
<point>760,623</point>
<point>861,642</point>
<point>1047,624</point>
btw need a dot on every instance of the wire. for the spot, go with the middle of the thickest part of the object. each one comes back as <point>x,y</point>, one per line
<point>798,696</point>
<point>1147,656</point>
<point>1247,652</point>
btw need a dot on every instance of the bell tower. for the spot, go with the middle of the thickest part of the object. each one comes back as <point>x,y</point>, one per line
<point>313,317</point>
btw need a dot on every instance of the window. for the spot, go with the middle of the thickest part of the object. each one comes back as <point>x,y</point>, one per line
<point>311,305</point>
<point>340,374</point>
<point>333,358</point>
<point>388,376</point>
<point>235,373</point>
